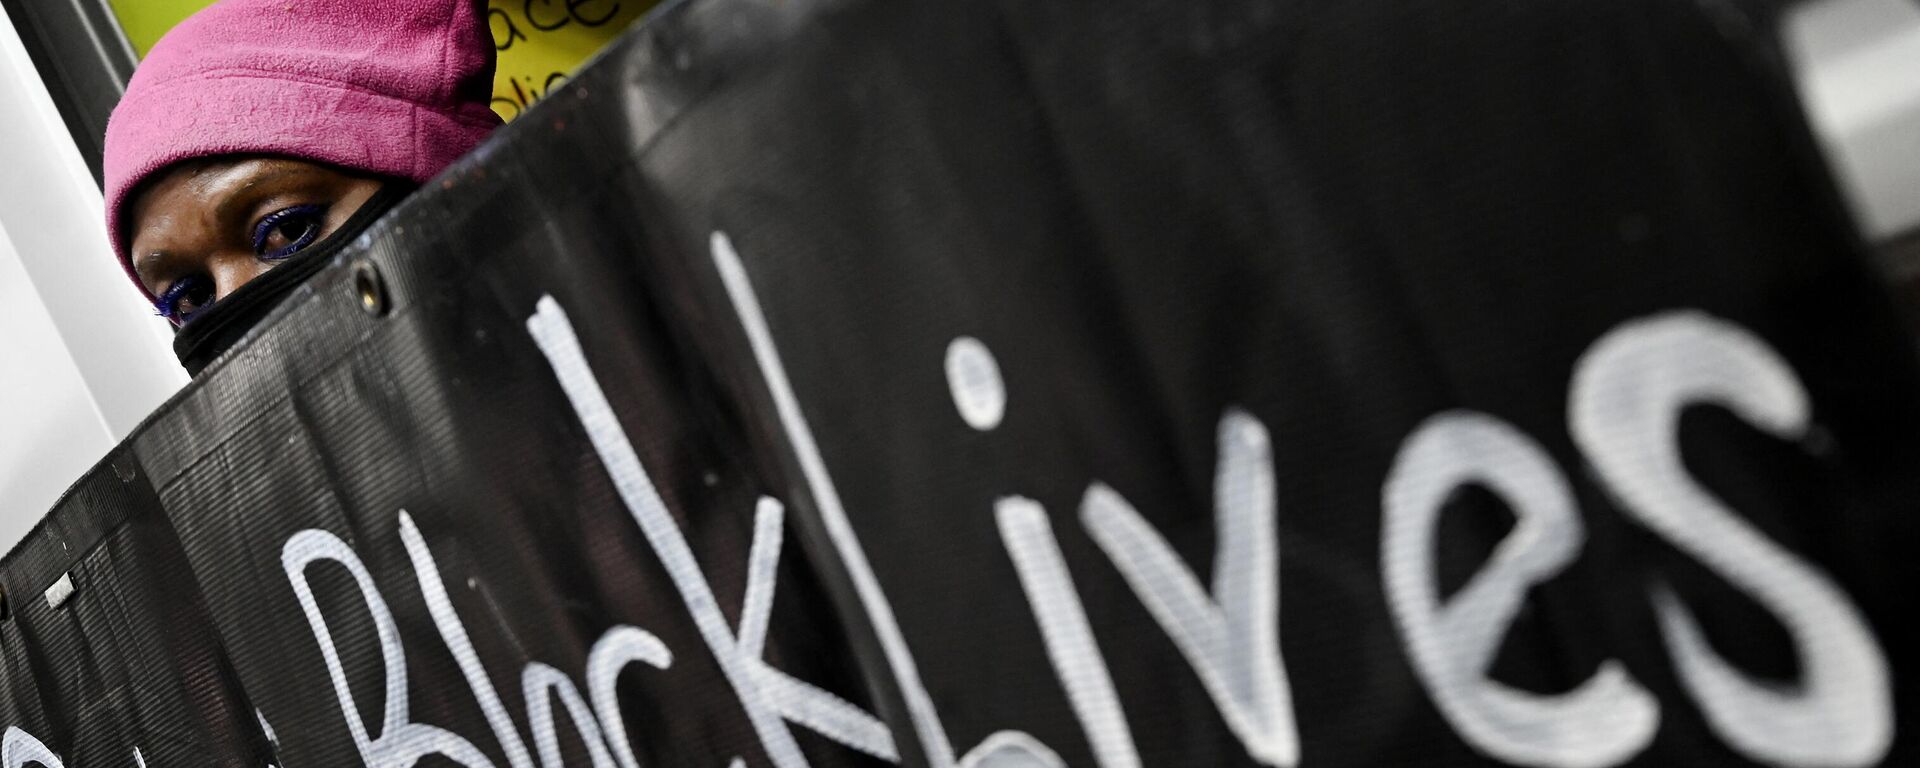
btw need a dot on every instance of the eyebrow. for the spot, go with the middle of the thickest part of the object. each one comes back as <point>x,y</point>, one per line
<point>244,178</point>
<point>148,260</point>
<point>239,199</point>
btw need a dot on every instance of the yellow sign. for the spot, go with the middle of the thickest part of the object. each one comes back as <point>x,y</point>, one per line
<point>145,21</point>
<point>540,42</point>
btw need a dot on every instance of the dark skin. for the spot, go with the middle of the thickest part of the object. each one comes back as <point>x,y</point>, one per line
<point>203,228</point>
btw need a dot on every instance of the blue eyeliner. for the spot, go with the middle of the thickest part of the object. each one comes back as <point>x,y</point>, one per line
<point>167,305</point>
<point>280,218</point>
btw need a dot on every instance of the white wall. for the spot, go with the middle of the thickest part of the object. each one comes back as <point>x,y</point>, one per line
<point>82,358</point>
<point>1858,66</point>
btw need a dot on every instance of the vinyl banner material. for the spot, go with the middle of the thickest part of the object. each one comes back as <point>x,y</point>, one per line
<point>1130,383</point>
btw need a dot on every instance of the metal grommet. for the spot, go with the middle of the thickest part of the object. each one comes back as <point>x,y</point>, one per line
<point>369,288</point>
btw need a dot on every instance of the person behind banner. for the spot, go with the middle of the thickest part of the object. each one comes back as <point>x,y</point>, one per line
<point>260,136</point>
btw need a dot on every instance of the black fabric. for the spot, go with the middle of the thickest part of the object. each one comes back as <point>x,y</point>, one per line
<point>219,327</point>
<point>1258,272</point>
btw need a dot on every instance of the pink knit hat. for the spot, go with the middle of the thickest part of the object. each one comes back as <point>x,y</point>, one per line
<point>388,87</point>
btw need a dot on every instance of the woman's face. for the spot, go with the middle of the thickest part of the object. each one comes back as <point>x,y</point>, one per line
<point>204,228</point>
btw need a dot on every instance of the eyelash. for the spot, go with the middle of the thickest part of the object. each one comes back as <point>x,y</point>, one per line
<point>167,305</point>
<point>280,218</point>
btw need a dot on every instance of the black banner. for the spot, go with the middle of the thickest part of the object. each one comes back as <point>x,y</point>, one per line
<point>1131,383</point>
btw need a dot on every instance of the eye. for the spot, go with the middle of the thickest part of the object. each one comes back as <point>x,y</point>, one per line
<point>187,297</point>
<point>284,232</point>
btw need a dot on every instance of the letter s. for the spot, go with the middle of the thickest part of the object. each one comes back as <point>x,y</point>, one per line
<point>1627,396</point>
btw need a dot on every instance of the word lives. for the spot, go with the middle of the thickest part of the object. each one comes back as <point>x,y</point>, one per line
<point>1626,397</point>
